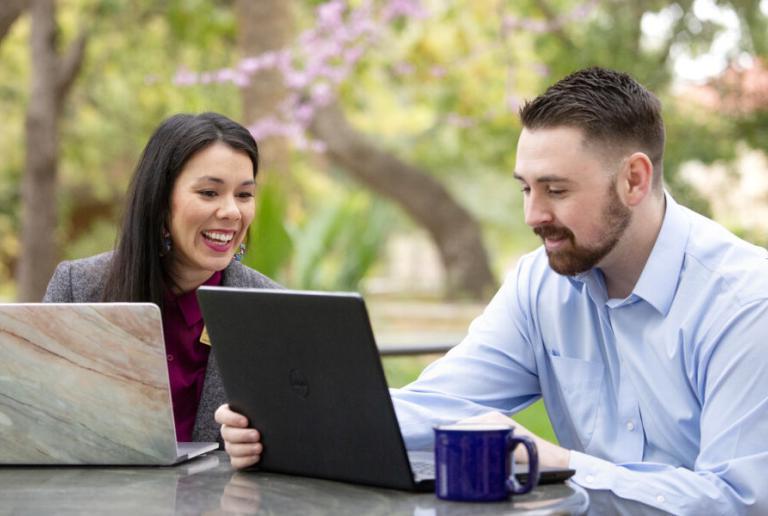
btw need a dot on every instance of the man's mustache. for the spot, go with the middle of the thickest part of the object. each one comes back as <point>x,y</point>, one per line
<point>553,232</point>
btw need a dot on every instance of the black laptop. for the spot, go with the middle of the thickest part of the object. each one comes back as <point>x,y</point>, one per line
<point>304,368</point>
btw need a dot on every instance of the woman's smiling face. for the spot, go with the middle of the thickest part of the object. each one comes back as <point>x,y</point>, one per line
<point>212,205</point>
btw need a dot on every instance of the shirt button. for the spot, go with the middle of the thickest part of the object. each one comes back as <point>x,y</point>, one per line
<point>170,358</point>
<point>630,426</point>
<point>660,499</point>
<point>590,479</point>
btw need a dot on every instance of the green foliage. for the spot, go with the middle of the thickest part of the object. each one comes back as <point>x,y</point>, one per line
<point>339,242</point>
<point>753,128</point>
<point>270,243</point>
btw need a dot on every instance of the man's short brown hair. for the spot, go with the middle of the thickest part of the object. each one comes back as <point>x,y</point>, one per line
<point>614,111</point>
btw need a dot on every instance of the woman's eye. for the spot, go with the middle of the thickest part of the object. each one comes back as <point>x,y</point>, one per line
<point>245,195</point>
<point>207,193</point>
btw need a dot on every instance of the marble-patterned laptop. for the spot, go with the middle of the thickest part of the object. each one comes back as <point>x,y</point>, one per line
<point>86,383</point>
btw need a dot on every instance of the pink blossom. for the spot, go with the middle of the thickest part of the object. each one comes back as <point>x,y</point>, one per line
<point>457,120</point>
<point>541,69</point>
<point>403,68</point>
<point>242,81</point>
<point>185,77</point>
<point>295,79</point>
<point>321,94</point>
<point>404,9</point>
<point>330,13</point>
<point>438,71</point>
<point>512,102</point>
<point>304,113</point>
<point>353,55</point>
<point>325,55</point>
<point>225,75</point>
<point>317,146</point>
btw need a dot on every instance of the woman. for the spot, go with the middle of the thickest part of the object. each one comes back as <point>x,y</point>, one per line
<point>189,206</point>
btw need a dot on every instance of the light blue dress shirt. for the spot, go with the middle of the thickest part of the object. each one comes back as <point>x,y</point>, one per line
<point>662,396</point>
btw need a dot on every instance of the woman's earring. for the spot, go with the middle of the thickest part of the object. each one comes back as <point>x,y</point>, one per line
<point>240,253</point>
<point>166,244</point>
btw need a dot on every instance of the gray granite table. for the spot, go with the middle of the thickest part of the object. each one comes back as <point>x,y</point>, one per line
<point>208,485</point>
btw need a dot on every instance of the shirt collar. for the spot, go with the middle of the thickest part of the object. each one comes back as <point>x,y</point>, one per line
<point>658,281</point>
<point>187,302</point>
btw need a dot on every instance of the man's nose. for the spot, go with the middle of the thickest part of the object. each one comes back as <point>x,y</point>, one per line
<point>537,211</point>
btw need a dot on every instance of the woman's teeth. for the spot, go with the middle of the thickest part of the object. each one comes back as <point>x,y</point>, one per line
<point>219,237</point>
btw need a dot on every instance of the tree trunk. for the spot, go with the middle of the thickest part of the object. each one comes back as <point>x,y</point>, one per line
<point>453,229</point>
<point>9,11</point>
<point>265,25</point>
<point>52,77</point>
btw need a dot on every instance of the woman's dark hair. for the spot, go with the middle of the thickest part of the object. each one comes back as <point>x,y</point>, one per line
<point>137,273</point>
<point>612,109</point>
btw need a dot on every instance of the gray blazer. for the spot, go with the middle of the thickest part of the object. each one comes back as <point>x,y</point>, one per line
<point>82,281</point>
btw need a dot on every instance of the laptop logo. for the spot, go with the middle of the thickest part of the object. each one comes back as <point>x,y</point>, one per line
<point>298,383</point>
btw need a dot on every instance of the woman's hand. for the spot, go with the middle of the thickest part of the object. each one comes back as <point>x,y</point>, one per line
<point>242,443</point>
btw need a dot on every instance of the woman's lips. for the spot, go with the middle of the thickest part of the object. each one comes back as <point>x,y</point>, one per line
<point>218,245</point>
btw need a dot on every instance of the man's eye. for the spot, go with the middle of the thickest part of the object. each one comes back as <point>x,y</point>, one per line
<point>555,191</point>
<point>525,189</point>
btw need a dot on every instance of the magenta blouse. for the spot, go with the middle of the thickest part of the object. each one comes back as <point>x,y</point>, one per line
<point>187,356</point>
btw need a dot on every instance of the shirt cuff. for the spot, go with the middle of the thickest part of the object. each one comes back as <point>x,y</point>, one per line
<point>591,472</point>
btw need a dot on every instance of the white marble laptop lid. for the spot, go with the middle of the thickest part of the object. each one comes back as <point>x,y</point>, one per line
<point>84,384</point>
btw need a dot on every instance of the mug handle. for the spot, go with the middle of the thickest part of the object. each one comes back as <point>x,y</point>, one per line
<point>513,486</point>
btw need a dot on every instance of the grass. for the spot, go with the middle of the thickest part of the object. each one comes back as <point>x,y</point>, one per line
<point>403,370</point>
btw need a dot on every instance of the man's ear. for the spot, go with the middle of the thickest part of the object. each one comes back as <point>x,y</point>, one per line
<point>636,178</point>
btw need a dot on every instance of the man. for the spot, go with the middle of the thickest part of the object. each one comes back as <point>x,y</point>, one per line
<point>643,325</point>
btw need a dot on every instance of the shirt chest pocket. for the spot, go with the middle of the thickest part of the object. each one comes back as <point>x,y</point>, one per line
<point>580,385</point>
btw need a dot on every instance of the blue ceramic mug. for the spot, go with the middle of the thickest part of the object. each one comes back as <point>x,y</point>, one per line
<point>474,462</point>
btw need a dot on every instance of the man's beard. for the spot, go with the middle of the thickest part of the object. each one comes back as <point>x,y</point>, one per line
<point>575,259</point>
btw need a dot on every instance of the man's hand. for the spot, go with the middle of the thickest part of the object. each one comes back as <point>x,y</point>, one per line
<point>242,443</point>
<point>550,454</point>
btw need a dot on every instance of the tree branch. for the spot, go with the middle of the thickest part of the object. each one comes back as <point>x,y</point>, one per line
<point>453,229</point>
<point>10,10</point>
<point>68,66</point>
<point>558,32</point>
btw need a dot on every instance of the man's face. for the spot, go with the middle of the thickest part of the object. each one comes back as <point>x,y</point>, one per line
<point>570,198</point>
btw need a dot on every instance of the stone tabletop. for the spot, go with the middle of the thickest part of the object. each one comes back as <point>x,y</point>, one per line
<point>208,485</point>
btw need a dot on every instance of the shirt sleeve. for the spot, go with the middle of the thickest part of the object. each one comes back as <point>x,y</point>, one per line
<point>728,477</point>
<point>493,368</point>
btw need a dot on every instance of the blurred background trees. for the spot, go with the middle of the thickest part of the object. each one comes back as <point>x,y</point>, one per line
<point>400,147</point>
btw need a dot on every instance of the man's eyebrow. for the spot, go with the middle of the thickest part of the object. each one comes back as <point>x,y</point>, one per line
<point>546,179</point>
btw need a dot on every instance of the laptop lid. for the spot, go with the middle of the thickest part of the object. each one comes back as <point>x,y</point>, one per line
<point>85,383</point>
<point>305,370</point>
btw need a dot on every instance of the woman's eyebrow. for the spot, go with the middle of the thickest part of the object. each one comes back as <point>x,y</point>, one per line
<point>218,180</point>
